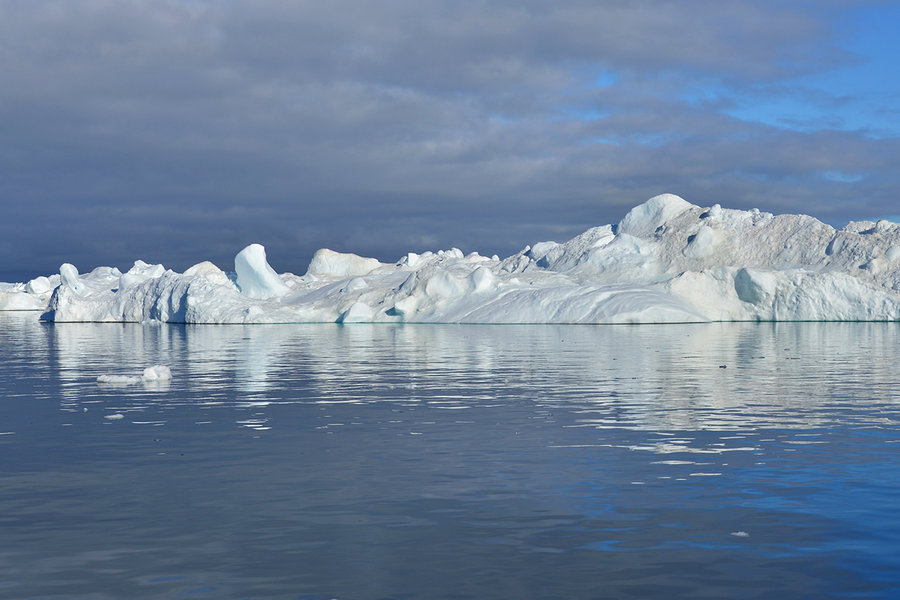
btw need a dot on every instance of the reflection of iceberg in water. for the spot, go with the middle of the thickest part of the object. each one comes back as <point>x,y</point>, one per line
<point>691,377</point>
<point>734,376</point>
<point>246,354</point>
<point>85,351</point>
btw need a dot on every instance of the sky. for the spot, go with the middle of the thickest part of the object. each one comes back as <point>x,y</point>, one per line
<point>176,131</point>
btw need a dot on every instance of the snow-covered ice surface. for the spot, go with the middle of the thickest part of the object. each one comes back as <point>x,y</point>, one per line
<point>666,261</point>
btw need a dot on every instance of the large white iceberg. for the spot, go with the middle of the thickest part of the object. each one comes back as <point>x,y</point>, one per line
<point>666,261</point>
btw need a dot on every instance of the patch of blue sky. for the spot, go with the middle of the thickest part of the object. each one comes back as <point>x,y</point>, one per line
<point>589,115</point>
<point>585,115</point>
<point>605,79</point>
<point>842,177</point>
<point>783,106</point>
<point>601,140</point>
<point>843,107</point>
<point>703,96</point>
<point>795,114</point>
<point>861,96</point>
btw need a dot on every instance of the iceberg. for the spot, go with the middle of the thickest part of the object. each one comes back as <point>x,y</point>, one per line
<point>666,261</point>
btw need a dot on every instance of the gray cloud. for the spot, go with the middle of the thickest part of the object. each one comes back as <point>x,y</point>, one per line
<point>177,131</point>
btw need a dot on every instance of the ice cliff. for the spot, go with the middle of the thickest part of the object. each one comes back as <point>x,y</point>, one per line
<point>666,261</point>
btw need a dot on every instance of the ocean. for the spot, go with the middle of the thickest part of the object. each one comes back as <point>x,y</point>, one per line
<point>724,460</point>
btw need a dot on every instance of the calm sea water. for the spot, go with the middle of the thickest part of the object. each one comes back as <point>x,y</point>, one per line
<point>358,462</point>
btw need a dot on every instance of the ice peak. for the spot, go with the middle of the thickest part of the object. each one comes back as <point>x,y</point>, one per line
<point>643,219</point>
<point>255,278</point>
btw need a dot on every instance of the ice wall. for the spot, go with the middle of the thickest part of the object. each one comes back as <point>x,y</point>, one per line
<point>667,260</point>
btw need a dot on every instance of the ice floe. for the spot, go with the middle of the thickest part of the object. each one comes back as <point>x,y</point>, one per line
<point>667,260</point>
<point>156,373</point>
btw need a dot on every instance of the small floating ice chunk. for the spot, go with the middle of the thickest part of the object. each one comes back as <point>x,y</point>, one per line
<point>157,373</point>
<point>114,416</point>
<point>154,373</point>
<point>740,534</point>
<point>118,379</point>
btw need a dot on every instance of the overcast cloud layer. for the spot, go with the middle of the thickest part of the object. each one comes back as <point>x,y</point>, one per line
<point>176,131</point>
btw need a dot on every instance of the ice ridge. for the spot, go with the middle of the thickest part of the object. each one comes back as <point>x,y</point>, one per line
<point>666,261</point>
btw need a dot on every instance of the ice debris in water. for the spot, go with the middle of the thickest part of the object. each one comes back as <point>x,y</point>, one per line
<point>667,260</point>
<point>151,374</point>
<point>118,379</point>
<point>157,373</point>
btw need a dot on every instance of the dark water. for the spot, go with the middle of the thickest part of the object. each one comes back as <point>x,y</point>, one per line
<point>363,461</point>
